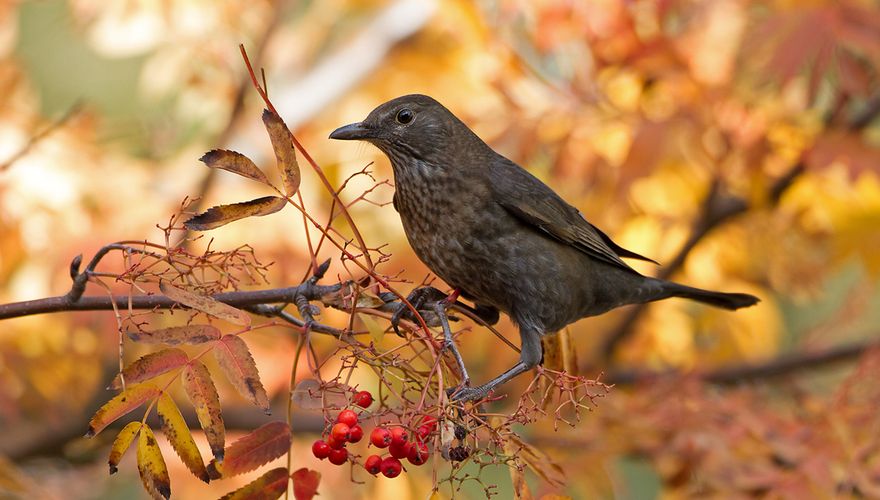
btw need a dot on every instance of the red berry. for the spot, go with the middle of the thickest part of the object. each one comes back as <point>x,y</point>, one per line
<point>320,449</point>
<point>355,433</point>
<point>335,443</point>
<point>373,464</point>
<point>390,467</point>
<point>399,436</point>
<point>338,457</point>
<point>340,432</point>
<point>399,450</point>
<point>380,437</point>
<point>418,453</point>
<point>363,399</point>
<point>429,421</point>
<point>423,432</point>
<point>347,417</point>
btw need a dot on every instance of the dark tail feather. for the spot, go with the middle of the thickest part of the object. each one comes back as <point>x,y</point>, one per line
<point>718,299</point>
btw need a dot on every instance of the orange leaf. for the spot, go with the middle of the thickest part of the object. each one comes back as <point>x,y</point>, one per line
<point>285,153</point>
<point>305,483</point>
<point>236,361</point>
<point>538,461</point>
<point>203,395</point>
<point>177,432</point>
<point>205,304</point>
<point>269,486</point>
<point>151,465</point>
<point>253,450</point>
<point>122,403</point>
<point>221,215</point>
<point>235,162</point>
<point>121,443</point>
<point>151,365</point>
<point>175,335</point>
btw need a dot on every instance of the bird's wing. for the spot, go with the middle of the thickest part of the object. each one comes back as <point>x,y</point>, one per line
<point>531,201</point>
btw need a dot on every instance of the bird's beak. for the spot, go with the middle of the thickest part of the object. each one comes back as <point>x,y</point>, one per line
<point>353,131</point>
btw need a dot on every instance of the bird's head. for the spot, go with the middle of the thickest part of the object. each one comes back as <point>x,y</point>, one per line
<point>409,127</point>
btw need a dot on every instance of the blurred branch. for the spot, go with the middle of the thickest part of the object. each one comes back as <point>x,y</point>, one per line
<point>39,136</point>
<point>718,208</point>
<point>781,366</point>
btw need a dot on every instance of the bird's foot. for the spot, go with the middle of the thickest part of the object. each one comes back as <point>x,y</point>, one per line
<point>464,393</point>
<point>417,298</point>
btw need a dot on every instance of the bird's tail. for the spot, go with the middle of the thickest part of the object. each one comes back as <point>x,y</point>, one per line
<point>718,299</point>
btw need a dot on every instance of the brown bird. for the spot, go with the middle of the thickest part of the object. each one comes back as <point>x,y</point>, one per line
<point>501,236</point>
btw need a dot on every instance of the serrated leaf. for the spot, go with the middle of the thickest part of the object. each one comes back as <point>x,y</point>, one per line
<point>221,215</point>
<point>261,446</point>
<point>305,483</point>
<point>176,335</point>
<point>201,391</point>
<point>175,429</point>
<point>269,486</point>
<point>235,162</point>
<point>151,365</point>
<point>538,461</point>
<point>205,304</point>
<point>151,465</point>
<point>121,444</point>
<point>124,402</point>
<point>237,363</point>
<point>285,153</point>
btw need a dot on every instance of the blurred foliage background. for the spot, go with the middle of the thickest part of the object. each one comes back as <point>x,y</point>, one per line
<point>734,141</point>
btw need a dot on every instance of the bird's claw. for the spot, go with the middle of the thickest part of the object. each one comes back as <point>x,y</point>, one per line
<point>464,393</point>
<point>417,298</point>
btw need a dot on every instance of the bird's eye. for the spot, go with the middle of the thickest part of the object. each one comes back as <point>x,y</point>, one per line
<point>405,116</point>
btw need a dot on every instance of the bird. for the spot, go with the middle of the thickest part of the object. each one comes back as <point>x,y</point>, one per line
<point>500,236</point>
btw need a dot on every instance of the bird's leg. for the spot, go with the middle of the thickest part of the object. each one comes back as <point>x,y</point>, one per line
<point>448,342</point>
<point>530,357</point>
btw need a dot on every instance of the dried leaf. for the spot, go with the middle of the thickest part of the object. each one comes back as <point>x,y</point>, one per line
<point>122,403</point>
<point>261,446</point>
<point>175,429</point>
<point>176,335</point>
<point>285,153</point>
<point>151,465</point>
<point>308,395</point>
<point>203,395</point>
<point>221,215</point>
<point>235,162</point>
<point>269,486</point>
<point>236,361</point>
<point>305,483</point>
<point>538,461</point>
<point>151,365</point>
<point>205,304</point>
<point>121,444</point>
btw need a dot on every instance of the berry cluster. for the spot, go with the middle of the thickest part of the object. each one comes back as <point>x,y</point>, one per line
<point>345,430</point>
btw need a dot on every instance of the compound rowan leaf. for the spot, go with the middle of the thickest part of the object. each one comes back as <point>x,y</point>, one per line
<point>264,444</point>
<point>235,162</point>
<point>236,361</point>
<point>124,402</point>
<point>121,444</point>
<point>151,465</point>
<point>269,486</point>
<point>176,335</point>
<point>305,483</point>
<point>205,304</point>
<point>151,365</point>
<point>201,391</point>
<point>175,429</point>
<point>285,153</point>
<point>221,215</point>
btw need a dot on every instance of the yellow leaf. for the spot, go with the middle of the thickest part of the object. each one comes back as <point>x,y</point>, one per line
<point>177,432</point>
<point>151,365</point>
<point>151,465</point>
<point>205,304</point>
<point>236,361</point>
<point>121,443</point>
<point>203,395</point>
<point>377,331</point>
<point>261,446</point>
<point>122,403</point>
<point>269,486</point>
<point>221,215</point>
<point>188,334</point>
<point>235,162</point>
<point>285,153</point>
